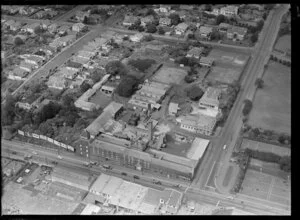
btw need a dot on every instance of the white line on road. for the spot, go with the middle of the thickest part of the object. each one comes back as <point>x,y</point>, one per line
<point>210,172</point>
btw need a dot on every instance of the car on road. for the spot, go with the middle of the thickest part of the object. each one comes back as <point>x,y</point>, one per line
<point>34,152</point>
<point>136,177</point>
<point>54,162</point>
<point>106,167</point>
<point>60,157</point>
<point>20,179</point>
<point>124,174</point>
<point>157,182</point>
<point>224,148</point>
<point>14,152</point>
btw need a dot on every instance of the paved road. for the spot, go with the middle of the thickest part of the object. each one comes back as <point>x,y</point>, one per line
<point>77,163</point>
<point>233,125</point>
<point>66,16</point>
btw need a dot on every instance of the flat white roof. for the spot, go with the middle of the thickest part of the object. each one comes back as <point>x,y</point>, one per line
<point>90,209</point>
<point>99,184</point>
<point>197,149</point>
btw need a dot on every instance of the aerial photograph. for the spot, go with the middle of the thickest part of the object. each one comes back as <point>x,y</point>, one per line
<point>163,109</point>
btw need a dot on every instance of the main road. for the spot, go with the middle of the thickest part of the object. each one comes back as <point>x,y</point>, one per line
<point>77,164</point>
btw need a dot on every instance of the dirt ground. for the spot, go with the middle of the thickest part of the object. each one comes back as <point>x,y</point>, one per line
<point>272,104</point>
<point>170,75</point>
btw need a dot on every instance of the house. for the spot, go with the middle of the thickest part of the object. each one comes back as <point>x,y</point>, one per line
<point>31,27</point>
<point>186,7</point>
<point>74,66</point>
<point>206,61</point>
<point>205,31</point>
<point>68,39</point>
<point>79,16</point>
<point>27,66</point>
<point>223,27</point>
<point>40,14</point>
<point>68,73</point>
<point>85,54</point>
<point>165,21</point>
<point>164,8</point>
<point>15,26</point>
<point>173,108</point>
<point>52,28</point>
<point>182,14</point>
<point>229,10</point>
<point>137,37</point>
<point>35,60</point>
<point>107,89</point>
<point>146,20</point>
<point>63,29</point>
<point>236,32</point>
<point>181,28</point>
<point>199,123</point>
<point>210,99</point>
<point>18,74</point>
<point>45,24</point>
<point>57,82</point>
<point>195,52</point>
<point>78,27</point>
<point>215,11</point>
<point>129,20</point>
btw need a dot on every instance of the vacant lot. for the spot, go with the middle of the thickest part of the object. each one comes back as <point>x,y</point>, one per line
<point>272,104</point>
<point>99,98</point>
<point>228,65</point>
<point>255,145</point>
<point>283,43</point>
<point>268,187</point>
<point>170,75</point>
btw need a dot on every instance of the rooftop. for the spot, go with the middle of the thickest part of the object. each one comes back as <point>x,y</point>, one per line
<point>211,96</point>
<point>197,149</point>
<point>205,30</point>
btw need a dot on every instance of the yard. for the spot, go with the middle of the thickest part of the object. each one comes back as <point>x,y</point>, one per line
<point>99,98</point>
<point>228,65</point>
<point>272,104</point>
<point>284,43</point>
<point>170,75</point>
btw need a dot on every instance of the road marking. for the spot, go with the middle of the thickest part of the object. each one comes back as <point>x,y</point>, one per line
<point>210,173</point>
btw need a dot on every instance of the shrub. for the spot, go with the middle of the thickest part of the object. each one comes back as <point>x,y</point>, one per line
<point>189,79</point>
<point>18,41</point>
<point>195,93</point>
<point>247,107</point>
<point>259,83</point>
<point>161,31</point>
<point>151,28</point>
<point>127,86</point>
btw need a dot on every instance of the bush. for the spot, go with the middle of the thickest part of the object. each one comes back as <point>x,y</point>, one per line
<point>148,38</point>
<point>127,86</point>
<point>141,65</point>
<point>161,31</point>
<point>18,41</point>
<point>220,19</point>
<point>254,37</point>
<point>195,93</point>
<point>84,87</point>
<point>151,28</point>
<point>175,19</point>
<point>189,79</point>
<point>285,163</point>
<point>115,67</point>
<point>247,107</point>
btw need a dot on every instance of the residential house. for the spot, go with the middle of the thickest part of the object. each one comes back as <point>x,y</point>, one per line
<point>45,24</point>
<point>78,27</point>
<point>35,60</point>
<point>164,8</point>
<point>210,98</point>
<point>40,14</point>
<point>13,25</point>
<point>31,27</point>
<point>223,27</point>
<point>182,14</point>
<point>18,74</point>
<point>215,11</point>
<point>206,61</point>
<point>57,82</point>
<point>181,28</point>
<point>229,10</point>
<point>236,32</point>
<point>27,66</point>
<point>173,108</point>
<point>205,32</point>
<point>63,29</point>
<point>195,52</point>
<point>146,20</point>
<point>74,66</point>
<point>136,37</point>
<point>53,28</point>
<point>68,39</point>
<point>165,21</point>
<point>79,16</point>
<point>85,54</point>
<point>129,20</point>
<point>186,7</point>
<point>68,73</point>
<point>108,89</point>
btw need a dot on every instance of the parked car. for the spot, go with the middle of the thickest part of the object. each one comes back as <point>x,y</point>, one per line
<point>136,177</point>
<point>124,174</point>
<point>60,157</point>
<point>34,152</point>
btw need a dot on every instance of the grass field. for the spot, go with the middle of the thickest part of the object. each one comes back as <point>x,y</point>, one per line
<point>227,176</point>
<point>265,186</point>
<point>170,75</point>
<point>272,104</point>
<point>255,145</point>
<point>228,65</point>
<point>284,43</point>
<point>100,98</point>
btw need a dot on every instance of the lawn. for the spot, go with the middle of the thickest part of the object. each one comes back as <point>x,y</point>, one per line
<point>228,65</point>
<point>284,43</point>
<point>99,98</point>
<point>170,75</point>
<point>272,104</point>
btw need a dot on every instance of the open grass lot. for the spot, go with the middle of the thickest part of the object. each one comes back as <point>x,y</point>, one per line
<point>284,43</point>
<point>170,75</point>
<point>265,186</point>
<point>37,204</point>
<point>272,104</point>
<point>228,65</point>
<point>177,148</point>
<point>100,98</point>
<point>255,145</point>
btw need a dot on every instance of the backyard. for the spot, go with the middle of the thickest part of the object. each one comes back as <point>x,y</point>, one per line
<point>283,43</point>
<point>272,104</point>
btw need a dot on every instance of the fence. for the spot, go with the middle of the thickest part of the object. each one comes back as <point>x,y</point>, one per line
<point>37,136</point>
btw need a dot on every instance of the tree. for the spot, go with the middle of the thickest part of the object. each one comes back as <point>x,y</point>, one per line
<point>8,113</point>
<point>96,75</point>
<point>151,28</point>
<point>141,64</point>
<point>260,25</point>
<point>168,138</point>
<point>84,87</point>
<point>148,38</point>
<point>115,67</point>
<point>150,11</point>
<point>85,20</point>
<point>285,163</point>
<point>265,15</point>
<point>254,37</point>
<point>161,31</point>
<point>182,60</point>
<point>215,35</point>
<point>189,79</point>
<point>140,28</point>
<point>220,19</point>
<point>191,36</point>
<point>247,107</point>
<point>175,19</point>
<point>195,93</point>
<point>259,83</point>
<point>46,129</point>
<point>18,41</point>
<point>38,30</point>
<point>127,86</point>
<point>67,100</point>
